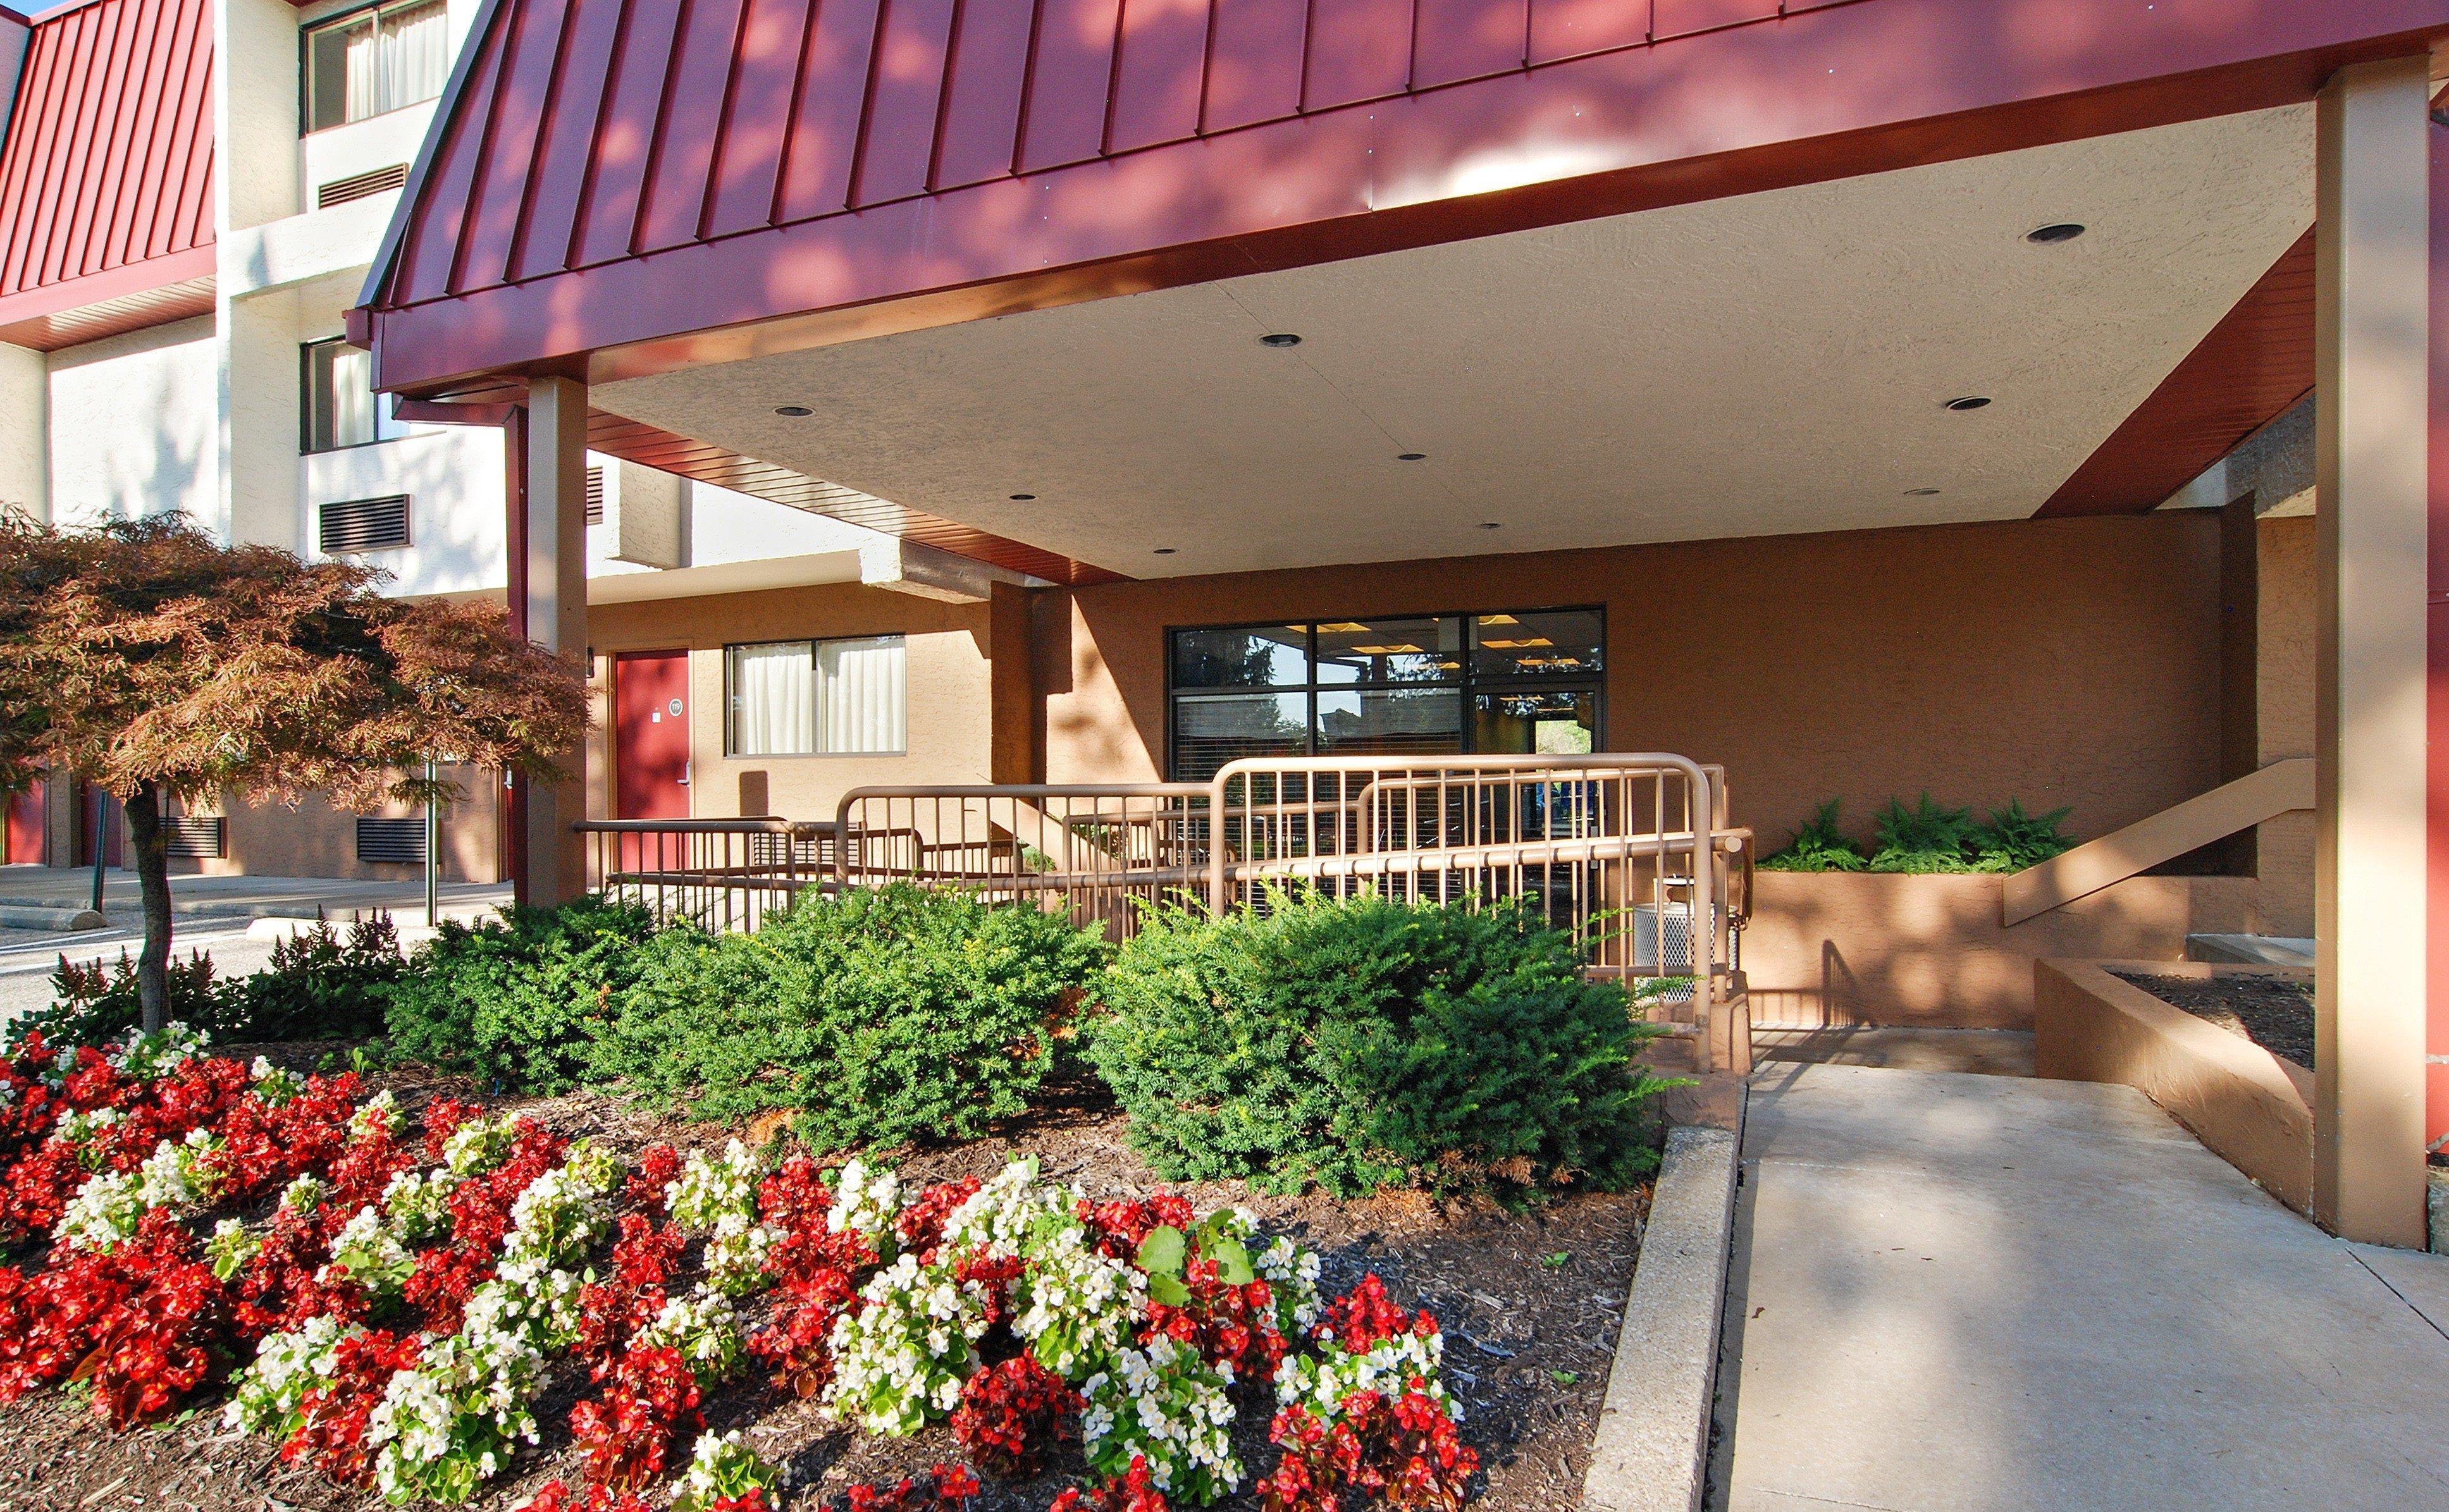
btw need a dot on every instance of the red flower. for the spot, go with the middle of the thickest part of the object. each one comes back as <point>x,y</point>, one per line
<point>335,1430</point>
<point>1404,1451</point>
<point>1120,1227</point>
<point>628,1433</point>
<point>1011,1416</point>
<point>921,1224</point>
<point>943,1488</point>
<point>1131,1492</point>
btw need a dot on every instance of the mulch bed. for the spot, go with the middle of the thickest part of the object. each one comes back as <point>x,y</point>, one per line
<point>1528,1342</point>
<point>2274,1011</point>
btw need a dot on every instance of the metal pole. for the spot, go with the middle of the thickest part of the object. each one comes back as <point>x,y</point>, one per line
<point>432,852</point>
<point>101,829</point>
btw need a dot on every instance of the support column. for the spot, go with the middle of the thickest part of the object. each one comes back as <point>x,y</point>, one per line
<point>2372,337</point>
<point>2436,1117</point>
<point>554,589</point>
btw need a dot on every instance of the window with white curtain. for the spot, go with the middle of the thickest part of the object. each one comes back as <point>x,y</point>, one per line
<point>818,697</point>
<point>341,408</point>
<point>374,61</point>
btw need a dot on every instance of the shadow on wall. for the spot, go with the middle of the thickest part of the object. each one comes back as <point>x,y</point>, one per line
<point>104,468</point>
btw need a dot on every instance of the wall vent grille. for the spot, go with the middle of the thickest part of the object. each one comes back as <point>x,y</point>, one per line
<point>363,524</point>
<point>394,842</point>
<point>361,185</point>
<point>196,837</point>
<point>595,496</point>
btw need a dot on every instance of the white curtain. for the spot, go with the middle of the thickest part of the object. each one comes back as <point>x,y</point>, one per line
<point>352,397</point>
<point>861,708</point>
<point>398,61</point>
<point>773,700</point>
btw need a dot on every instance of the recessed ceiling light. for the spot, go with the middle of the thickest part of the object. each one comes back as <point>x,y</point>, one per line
<point>1279,339</point>
<point>1920,493</point>
<point>1489,524</point>
<point>1970,401</point>
<point>1165,551</point>
<point>2057,231</point>
<point>1411,456</point>
<point>795,411</point>
<point>1022,498</point>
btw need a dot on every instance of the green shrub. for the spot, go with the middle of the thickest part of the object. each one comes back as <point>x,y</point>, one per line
<point>320,986</point>
<point>518,1004</point>
<point>2013,839</point>
<point>879,1016</point>
<point>1924,838</point>
<point>93,1004</point>
<point>1818,846</point>
<point>1365,1044</point>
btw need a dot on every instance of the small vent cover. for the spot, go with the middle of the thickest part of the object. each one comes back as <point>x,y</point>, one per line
<point>399,842</point>
<point>364,525</point>
<point>196,837</point>
<point>358,186</point>
<point>595,496</point>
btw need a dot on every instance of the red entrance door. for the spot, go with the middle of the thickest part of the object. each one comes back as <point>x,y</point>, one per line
<point>21,838</point>
<point>650,744</point>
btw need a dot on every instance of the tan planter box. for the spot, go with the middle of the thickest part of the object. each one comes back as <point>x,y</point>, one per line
<point>1839,948</point>
<point>2250,1106</point>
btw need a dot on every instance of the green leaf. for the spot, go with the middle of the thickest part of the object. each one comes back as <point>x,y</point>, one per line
<point>1163,1252</point>
<point>1233,1265</point>
<point>1167,1290</point>
<point>1559,1260</point>
<point>1564,1377</point>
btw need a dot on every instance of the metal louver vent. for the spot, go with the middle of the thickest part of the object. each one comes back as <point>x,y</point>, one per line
<point>397,842</point>
<point>364,525</point>
<point>358,186</point>
<point>196,837</point>
<point>595,496</point>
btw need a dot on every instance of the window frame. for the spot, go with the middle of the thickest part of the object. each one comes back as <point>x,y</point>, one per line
<point>306,396</point>
<point>1465,684</point>
<point>308,31</point>
<point>815,645</point>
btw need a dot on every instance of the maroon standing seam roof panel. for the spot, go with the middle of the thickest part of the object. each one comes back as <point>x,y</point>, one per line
<point>982,98</point>
<point>107,165</point>
<point>899,149</point>
<point>1157,73</point>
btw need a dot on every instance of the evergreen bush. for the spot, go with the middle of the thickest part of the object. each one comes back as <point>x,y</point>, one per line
<point>879,1016</point>
<point>518,1003</point>
<point>1364,1043</point>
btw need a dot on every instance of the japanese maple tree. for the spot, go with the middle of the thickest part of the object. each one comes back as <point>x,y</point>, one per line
<point>154,662</point>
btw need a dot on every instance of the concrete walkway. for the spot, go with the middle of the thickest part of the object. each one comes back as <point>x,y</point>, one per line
<point>1967,1292</point>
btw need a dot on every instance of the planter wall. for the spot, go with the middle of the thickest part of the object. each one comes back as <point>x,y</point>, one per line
<point>1832,948</point>
<point>2250,1106</point>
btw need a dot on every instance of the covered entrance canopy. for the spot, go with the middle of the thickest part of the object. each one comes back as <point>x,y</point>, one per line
<point>996,276</point>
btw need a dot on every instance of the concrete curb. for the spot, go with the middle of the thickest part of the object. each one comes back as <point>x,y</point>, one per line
<point>64,920</point>
<point>1652,1451</point>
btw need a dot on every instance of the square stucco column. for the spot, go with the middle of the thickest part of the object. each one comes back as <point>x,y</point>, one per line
<point>2372,336</point>
<point>554,587</point>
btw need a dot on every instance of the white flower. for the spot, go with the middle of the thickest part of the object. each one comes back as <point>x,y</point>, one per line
<point>703,1330</point>
<point>1169,1405</point>
<point>864,1202</point>
<point>267,1395</point>
<point>707,1190</point>
<point>381,1111</point>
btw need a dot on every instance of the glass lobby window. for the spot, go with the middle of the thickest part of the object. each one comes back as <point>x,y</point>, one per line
<point>340,406</point>
<point>1512,683</point>
<point>818,698</point>
<point>370,62</point>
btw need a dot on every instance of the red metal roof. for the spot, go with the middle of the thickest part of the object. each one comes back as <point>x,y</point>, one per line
<point>107,172</point>
<point>635,185</point>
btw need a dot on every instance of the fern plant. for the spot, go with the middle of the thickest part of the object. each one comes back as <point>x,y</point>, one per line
<point>1926,837</point>
<point>1818,846</point>
<point>2013,839</point>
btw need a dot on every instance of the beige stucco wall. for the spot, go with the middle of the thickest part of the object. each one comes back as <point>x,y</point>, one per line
<point>950,682</point>
<point>318,839</point>
<point>2061,662</point>
<point>135,426</point>
<point>2286,611</point>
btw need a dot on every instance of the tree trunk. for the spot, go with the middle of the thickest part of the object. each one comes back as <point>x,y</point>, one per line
<point>152,842</point>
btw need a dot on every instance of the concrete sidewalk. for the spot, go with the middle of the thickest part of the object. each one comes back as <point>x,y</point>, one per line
<point>242,897</point>
<point>1963,1292</point>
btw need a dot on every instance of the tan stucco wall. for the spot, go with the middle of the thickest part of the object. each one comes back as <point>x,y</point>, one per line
<point>1835,947</point>
<point>2061,662</point>
<point>2286,611</point>
<point>316,839</point>
<point>950,678</point>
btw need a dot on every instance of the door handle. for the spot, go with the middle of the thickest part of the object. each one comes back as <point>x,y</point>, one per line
<point>687,768</point>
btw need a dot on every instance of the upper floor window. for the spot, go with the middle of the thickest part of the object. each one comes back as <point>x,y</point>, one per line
<point>341,404</point>
<point>384,58</point>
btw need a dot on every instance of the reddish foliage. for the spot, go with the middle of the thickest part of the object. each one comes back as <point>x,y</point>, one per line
<point>335,1430</point>
<point>921,1224</point>
<point>283,1285</point>
<point>1132,1492</point>
<point>618,1307</point>
<point>996,1274</point>
<point>1120,1227</point>
<point>1013,1416</point>
<point>1365,1317</point>
<point>556,1495</point>
<point>794,1201</point>
<point>443,1117</point>
<point>143,1321</point>
<point>943,1488</point>
<point>364,1167</point>
<point>437,1291</point>
<point>629,1432</point>
<point>659,1166</point>
<point>266,1146</point>
<point>796,1343</point>
<point>1227,1324</point>
<point>1404,1451</point>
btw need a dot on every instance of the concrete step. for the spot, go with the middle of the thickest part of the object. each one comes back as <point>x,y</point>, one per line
<point>37,916</point>
<point>2250,950</point>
